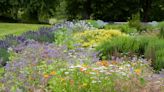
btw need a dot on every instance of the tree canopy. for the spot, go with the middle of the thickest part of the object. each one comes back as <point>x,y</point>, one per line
<point>108,10</point>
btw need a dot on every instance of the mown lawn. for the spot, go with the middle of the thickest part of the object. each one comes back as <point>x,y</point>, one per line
<point>17,28</point>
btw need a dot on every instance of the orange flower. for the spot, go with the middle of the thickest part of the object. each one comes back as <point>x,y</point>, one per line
<point>138,71</point>
<point>98,63</point>
<point>83,69</point>
<point>71,82</point>
<point>46,76</point>
<point>53,73</point>
<point>103,63</point>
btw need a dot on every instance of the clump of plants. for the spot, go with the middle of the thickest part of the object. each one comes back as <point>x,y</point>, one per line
<point>123,27</point>
<point>64,37</point>
<point>3,56</point>
<point>31,63</point>
<point>75,26</point>
<point>94,37</point>
<point>136,23</point>
<point>155,52</point>
<point>43,35</point>
<point>161,34</point>
<point>89,77</point>
<point>151,47</point>
<point>97,23</point>
<point>124,44</point>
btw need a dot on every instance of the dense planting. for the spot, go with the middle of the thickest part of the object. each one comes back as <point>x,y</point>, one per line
<point>80,56</point>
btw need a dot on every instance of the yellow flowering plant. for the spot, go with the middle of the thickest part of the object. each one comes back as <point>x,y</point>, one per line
<point>93,37</point>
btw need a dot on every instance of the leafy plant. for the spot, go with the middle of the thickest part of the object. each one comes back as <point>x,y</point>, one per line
<point>155,51</point>
<point>42,35</point>
<point>161,34</point>
<point>124,44</point>
<point>123,27</point>
<point>97,24</point>
<point>4,56</point>
<point>64,37</point>
<point>117,45</point>
<point>89,76</point>
<point>135,22</point>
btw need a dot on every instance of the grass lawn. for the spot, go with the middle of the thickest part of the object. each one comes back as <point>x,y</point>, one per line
<point>17,28</point>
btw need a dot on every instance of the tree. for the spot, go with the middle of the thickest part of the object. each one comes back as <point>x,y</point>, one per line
<point>31,9</point>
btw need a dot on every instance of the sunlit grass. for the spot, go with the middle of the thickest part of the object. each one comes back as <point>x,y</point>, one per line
<point>17,28</point>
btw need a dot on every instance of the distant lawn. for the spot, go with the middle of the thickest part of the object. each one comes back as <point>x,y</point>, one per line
<point>17,28</point>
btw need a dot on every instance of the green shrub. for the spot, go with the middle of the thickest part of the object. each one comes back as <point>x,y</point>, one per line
<point>4,56</point>
<point>155,52</point>
<point>118,45</point>
<point>161,34</point>
<point>135,22</point>
<point>161,24</point>
<point>124,44</point>
<point>64,37</point>
<point>124,28</point>
<point>144,41</point>
<point>97,23</point>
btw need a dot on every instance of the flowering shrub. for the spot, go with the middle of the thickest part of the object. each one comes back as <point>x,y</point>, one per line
<point>94,37</point>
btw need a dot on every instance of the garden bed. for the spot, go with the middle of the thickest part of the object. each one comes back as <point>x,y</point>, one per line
<point>80,56</point>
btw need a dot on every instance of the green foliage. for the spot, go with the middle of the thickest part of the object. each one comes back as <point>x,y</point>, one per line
<point>29,10</point>
<point>155,51</point>
<point>96,23</point>
<point>118,44</point>
<point>124,28</point>
<point>64,37</point>
<point>135,22</point>
<point>84,78</point>
<point>47,37</point>
<point>3,56</point>
<point>17,28</point>
<point>109,10</point>
<point>124,44</point>
<point>161,34</point>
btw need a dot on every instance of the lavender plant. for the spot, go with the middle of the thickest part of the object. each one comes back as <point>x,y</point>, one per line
<point>31,61</point>
<point>42,35</point>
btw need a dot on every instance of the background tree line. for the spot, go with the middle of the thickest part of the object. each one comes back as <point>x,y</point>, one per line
<point>108,10</point>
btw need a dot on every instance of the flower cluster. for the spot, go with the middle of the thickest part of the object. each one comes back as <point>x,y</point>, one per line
<point>89,76</point>
<point>93,37</point>
<point>32,63</point>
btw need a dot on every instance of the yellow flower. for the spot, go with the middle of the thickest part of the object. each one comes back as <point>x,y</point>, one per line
<point>114,62</point>
<point>84,84</point>
<point>62,79</point>
<point>138,71</point>
<point>46,76</point>
<point>53,73</point>
<point>85,66</point>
